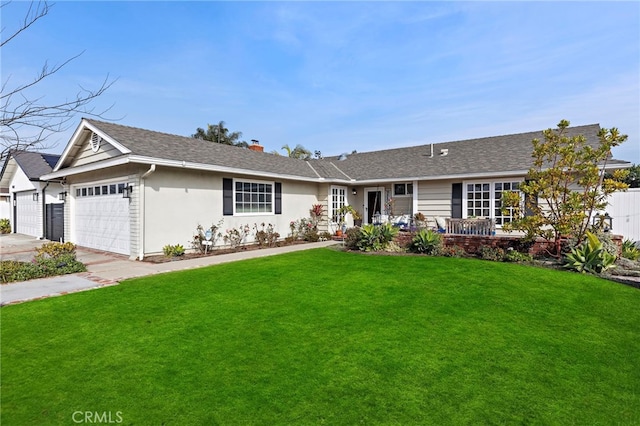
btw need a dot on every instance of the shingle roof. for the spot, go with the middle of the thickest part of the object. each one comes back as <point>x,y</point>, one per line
<point>474,156</point>
<point>35,164</point>
<point>181,148</point>
<point>498,154</point>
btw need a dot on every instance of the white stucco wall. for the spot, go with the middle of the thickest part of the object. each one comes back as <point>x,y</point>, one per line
<point>176,201</point>
<point>5,207</point>
<point>20,182</point>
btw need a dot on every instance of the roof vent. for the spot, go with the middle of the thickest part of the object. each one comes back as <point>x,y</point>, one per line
<point>95,141</point>
<point>342,157</point>
<point>444,152</point>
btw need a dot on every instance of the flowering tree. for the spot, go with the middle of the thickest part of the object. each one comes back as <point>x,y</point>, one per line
<point>568,177</point>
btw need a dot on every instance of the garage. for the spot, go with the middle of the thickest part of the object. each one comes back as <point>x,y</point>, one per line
<point>27,215</point>
<point>102,217</point>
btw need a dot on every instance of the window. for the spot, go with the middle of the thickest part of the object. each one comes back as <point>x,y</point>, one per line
<point>402,189</point>
<point>95,191</point>
<point>483,199</point>
<point>338,200</point>
<point>253,197</point>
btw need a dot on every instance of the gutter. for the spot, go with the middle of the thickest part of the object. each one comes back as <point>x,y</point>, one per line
<point>141,220</point>
<point>44,211</point>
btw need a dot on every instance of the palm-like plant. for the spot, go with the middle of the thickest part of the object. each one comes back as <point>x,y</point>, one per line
<point>299,152</point>
<point>220,134</point>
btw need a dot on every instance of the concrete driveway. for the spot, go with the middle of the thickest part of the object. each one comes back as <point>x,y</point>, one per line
<point>105,268</point>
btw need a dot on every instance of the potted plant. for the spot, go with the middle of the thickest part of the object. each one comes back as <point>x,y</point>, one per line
<point>346,209</point>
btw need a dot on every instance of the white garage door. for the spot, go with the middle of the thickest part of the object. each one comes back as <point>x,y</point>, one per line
<point>28,214</point>
<point>102,218</point>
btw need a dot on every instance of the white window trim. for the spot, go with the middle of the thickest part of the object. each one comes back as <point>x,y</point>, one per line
<point>407,192</point>
<point>273,198</point>
<point>492,182</point>
<point>330,203</point>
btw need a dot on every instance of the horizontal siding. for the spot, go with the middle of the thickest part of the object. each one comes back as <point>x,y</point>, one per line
<point>86,154</point>
<point>434,198</point>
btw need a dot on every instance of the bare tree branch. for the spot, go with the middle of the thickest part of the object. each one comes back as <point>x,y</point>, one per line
<point>27,121</point>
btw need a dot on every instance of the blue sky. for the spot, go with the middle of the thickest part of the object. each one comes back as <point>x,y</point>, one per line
<point>343,76</point>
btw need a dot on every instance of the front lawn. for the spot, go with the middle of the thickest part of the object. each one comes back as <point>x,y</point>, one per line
<point>323,336</point>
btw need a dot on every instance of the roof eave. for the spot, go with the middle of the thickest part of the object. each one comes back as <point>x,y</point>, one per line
<point>76,138</point>
<point>138,159</point>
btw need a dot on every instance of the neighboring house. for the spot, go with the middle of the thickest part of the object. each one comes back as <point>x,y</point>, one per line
<point>5,203</point>
<point>624,209</point>
<point>133,191</point>
<point>33,205</point>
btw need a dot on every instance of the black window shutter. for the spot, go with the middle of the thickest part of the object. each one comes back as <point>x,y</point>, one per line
<point>530,203</point>
<point>227,197</point>
<point>278,198</point>
<point>456,201</point>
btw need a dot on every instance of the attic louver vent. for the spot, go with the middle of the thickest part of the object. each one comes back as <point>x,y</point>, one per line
<point>95,142</point>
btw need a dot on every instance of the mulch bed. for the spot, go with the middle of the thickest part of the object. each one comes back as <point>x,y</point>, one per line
<point>214,252</point>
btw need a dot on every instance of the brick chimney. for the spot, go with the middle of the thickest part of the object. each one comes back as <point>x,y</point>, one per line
<point>255,146</point>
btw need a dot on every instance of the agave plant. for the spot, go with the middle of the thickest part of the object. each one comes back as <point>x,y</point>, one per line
<point>375,238</point>
<point>426,241</point>
<point>630,250</point>
<point>590,256</point>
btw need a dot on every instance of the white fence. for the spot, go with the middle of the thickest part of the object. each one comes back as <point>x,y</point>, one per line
<point>624,208</point>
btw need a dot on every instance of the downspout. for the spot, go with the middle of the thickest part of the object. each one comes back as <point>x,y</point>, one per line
<point>44,212</point>
<point>141,216</point>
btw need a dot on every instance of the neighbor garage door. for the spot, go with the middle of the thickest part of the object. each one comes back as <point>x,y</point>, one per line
<point>27,214</point>
<point>102,218</point>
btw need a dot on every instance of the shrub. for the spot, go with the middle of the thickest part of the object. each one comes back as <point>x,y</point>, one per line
<point>266,236</point>
<point>630,250</point>
<point>516,256</point>
<point>236,236</point>
<point>40,267</point>
<point>590,256</point>
<point>451,251</point>
<point>55,250</point>
<point>5,226</point>
<point>312,235</point>
<point>495,254</point>
<point>376,238</point>
<point>12,270</point>
<point>171,251</point>
<point>352,238</point>
<point>60,265</point>
<point>200,236</point>
<point>393,247</point>
<point>325,236</point>
<point>426,241</point>
<point>300,228</point>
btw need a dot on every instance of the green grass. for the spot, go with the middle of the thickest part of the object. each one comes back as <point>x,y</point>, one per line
<point>322,336</point>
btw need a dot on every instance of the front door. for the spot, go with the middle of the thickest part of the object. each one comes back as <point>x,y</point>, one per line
<point>374,204</point>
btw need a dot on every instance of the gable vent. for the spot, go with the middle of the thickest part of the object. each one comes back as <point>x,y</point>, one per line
<point>95,141</point>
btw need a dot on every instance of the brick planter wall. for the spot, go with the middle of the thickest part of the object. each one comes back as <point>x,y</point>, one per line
<point>541,247</point>
<point>471,243</point>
